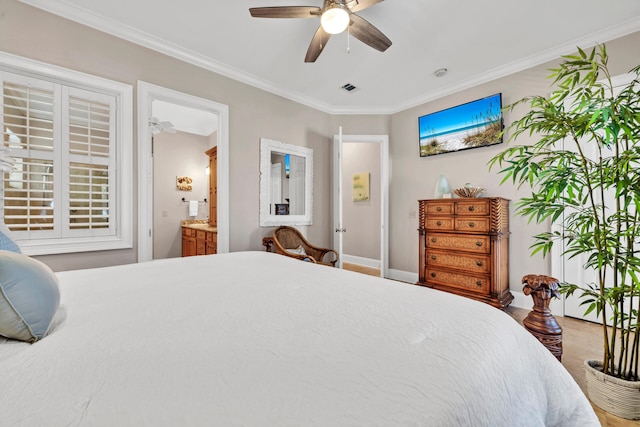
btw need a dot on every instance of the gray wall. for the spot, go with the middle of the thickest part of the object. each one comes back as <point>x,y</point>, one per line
<point>174,155</point>
<point>414,178</point>
<point>254,114</point>
<point>35,34</point>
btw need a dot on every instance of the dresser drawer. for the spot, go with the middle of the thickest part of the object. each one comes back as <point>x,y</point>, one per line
<point>469,243</point>
<point>477,207</point>
<point>467,262</point>
<point>436,223</point>
<point>189,232</point>
<point>472,224</point>
<point>439,207</point>
<point>212,237</point>
<point>201,234</point>
<point>469,282</point>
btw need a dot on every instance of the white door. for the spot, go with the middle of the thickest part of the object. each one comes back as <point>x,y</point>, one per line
<point>341,229</point>
<point>571,270</point>
<point>276,186</point>
<point>338,241</point>
<point>296,185</point>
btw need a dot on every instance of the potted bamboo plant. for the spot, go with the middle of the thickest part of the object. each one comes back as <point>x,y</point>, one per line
<point>584,173</point>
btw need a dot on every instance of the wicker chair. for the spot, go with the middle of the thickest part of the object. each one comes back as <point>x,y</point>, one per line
<point>289,241</point>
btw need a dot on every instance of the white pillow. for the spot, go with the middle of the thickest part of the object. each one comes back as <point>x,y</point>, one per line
<point>29,297</point>
<point>7,241</point>
<point>299,250</point>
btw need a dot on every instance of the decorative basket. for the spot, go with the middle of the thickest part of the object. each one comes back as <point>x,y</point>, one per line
<point>469,191</point>
<point>614,395</point>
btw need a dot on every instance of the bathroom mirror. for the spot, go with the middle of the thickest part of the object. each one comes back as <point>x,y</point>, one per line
<point>286,184</point>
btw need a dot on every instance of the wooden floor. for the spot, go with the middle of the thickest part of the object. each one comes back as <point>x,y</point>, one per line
<point>580,341</point>
<point>361,269</point>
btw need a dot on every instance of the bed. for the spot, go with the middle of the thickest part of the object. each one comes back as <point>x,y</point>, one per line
<point>258,339</point>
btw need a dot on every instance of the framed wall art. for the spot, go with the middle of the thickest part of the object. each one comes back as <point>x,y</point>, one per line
<point>474,124</point>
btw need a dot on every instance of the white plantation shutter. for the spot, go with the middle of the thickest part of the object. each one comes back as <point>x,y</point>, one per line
<point>89,148</point>
<point>88,197</point>
<point>28,110</point>
<point>29,197</point>
<point>29,123</point>
<point>64,142</point>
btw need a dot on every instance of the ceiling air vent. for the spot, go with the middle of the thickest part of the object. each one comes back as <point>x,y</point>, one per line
<point>349,87</point>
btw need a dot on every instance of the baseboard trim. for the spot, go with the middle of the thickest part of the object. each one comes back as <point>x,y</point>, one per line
<point>367,262</point>
<point>403,276</point>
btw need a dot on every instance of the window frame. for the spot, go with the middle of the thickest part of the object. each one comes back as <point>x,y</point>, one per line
<point>123,93</point>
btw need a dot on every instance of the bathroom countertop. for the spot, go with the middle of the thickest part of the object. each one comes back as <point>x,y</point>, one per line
<point>198,224</point>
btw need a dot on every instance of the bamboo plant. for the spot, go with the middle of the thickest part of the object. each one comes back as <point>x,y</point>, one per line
<point>584,173</point>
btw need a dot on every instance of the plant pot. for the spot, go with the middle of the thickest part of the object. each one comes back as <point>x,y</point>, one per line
<point>614,395</point>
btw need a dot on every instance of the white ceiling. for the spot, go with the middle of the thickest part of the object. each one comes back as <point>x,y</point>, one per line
<point>185,119</point>
<point>476,41</point>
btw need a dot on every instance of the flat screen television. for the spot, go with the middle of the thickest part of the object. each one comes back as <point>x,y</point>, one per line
<point>474,124</point>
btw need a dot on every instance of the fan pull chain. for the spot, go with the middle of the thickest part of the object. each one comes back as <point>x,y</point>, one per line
<point>348,40</point>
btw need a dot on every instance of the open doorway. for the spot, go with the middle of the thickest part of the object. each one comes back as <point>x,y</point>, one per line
<point>361,206</point>
<point>181,138</point>
<point>361,232</point>
<point>147,95</point>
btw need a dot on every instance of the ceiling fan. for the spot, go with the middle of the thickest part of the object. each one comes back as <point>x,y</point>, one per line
<point>335,17</point>
<point>157,126</point>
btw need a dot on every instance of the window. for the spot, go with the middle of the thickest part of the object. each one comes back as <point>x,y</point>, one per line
<point>70,136</point>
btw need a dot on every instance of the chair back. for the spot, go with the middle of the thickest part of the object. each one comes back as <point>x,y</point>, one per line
<point>288,237</point>
<point>289,241</point>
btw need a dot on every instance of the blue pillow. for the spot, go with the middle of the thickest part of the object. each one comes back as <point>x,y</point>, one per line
<point>29,297</point>
<point>6,242</point>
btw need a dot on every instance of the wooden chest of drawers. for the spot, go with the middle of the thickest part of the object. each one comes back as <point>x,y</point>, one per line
<point>464,248</point>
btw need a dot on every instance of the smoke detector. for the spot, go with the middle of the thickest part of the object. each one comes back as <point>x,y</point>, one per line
<point>440,72</point>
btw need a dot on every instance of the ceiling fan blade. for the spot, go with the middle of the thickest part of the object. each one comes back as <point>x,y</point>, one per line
<point>358,5</point>
<point>364,31</point>
<point>318,42</point>
<point>285,12</point>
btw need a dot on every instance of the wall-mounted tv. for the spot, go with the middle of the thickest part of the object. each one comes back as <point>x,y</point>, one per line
<point>474,124</point>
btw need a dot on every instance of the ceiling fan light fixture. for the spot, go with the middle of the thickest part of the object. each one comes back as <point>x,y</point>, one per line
<point>335,19</point>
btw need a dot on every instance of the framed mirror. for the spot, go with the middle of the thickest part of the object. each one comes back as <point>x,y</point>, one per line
<point>286,184</point>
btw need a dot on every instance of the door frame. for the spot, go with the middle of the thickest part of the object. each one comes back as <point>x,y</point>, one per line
<point>383,141</point>
<point>147,93</point>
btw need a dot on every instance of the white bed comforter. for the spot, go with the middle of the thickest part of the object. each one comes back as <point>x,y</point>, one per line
<point>257,339</point>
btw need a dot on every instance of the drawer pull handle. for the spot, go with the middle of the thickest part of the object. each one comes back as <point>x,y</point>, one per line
<point>478,244</point>
<point>439,223</point>
<point>479,282</point>
<point>471,224</point>
<point>433,275</point>
<point>479,263</point>
<point>433,240</point>
<point>438,208</point>
<point>433,257</point>
<point>471,208</point>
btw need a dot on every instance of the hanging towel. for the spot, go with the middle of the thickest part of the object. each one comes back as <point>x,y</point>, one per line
<point>193,208</point>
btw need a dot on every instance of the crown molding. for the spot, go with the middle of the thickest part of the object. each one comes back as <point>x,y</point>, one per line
<point>602,36</point>
<point>98,22</point>
<point>85,17</point>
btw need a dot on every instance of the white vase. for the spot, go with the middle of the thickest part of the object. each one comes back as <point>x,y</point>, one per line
<point>442,188</point>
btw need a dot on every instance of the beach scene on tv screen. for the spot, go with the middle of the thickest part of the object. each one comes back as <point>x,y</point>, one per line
<point>470,125</point>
